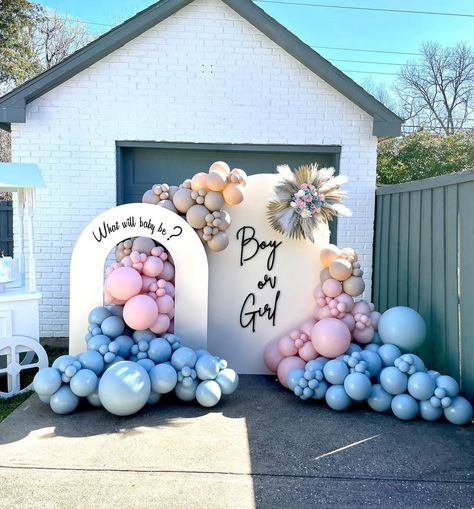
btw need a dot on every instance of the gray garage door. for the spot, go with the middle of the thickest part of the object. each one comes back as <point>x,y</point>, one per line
<point>140,165</point>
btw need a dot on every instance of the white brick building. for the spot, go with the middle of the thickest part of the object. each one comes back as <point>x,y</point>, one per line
<point>220,74</point>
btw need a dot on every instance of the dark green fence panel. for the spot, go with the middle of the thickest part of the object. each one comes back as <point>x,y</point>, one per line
<point>6,227</point>
<point>424,258</point>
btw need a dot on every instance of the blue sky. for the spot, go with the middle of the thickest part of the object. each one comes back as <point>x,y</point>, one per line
<point>329,27</point>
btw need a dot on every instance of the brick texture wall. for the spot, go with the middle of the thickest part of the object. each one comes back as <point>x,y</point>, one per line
<point>204,75</point>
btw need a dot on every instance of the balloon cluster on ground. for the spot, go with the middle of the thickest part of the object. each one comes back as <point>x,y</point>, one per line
<point>349,353</point>
<point>123,370</point>
<point>200,200</point>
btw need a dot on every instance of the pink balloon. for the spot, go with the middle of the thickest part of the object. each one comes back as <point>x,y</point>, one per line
<point>108,299</point>
<point>171,327</point>
<point>124,283</point>
<point>330,337</point>
<point>286,365</point>
<point>165,304</point>
<point>307,351</point>
<point>287,346</point>
<point>168,271</point>
<point>361,307</point>
<point>171,314</point>
<point>147,283</point>
<point>153,266</point>
<point>140,312</point>
<point>161,324</point>
<point>364,336</point>
<point>322,313</point>
<point>347,300</point>
<point>374,318</point>
<point>349,321</point>
<point>332,287</point>
<point>169,289</point>
<point>307,327</point>
<point>126,261</point>
<point>272,356</point>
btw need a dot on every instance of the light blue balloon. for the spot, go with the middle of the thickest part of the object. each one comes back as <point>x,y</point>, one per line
<point>337,398</point>
<point>316,364</point>
<point>393,380</point>
<point>418,362</point>
<point>44,398</point>
<point>146,335</point>
<point>429,412</point>
<point>228,380</point>
<point>357,386</point>
<point>293,377</point>
<point>148,364</point>
<point>97,341</point>
<point>98,315</point>
<point>163,378</point>
<point>449,384</point>
<point>207,367</point>
<point>320,390</point>
<point>388,354</point>
<point>405,407</point>
<point>459,412</point>
<point>186,393</point>
<point>403,327</point>
<point>153,398</point>
<point>116,310</point>
<point>208,393</point>
<point>94,399</point>
<point>376,339</point>
<point>125,344</point>
<point>159,350</point>
<point>84,383</point>
<point>92,360</point>
<point>63,401</point>
<point>335,371</point>
<point>113,326</point>
<point>63,362</point>
<point>379,399</point>
<point>421,386</point>
<point>372,347</point>
<point>353,347</point>
<point>171,338</point>
<point>200,353</point>
<point>183,356</point>
<point>373,361</point>
<point>434,374</point>
<point>124,388</point>
<point>47,381</point>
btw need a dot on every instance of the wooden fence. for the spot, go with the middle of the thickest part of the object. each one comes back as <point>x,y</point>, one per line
<point>424,258</point>
<point>6,227</point>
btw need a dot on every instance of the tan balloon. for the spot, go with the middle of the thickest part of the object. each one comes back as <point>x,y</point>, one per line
<point>233,194</point>
<point>220,167</point>
<point>213,201</point>
<point>172,191</point>
<point>150,197</point>
<point>182,199</point>
<point>241,174</point>
<point>324,275</point>
<point>354,286</point>
<point>199,181</point>
<point>340,269</point>
<point>196,216</point>
<point>216,181</point>
<point>225,220</point>
<point>328,254</point>
<point>168,204</point>
<point>143,245</point>
<point>218,242</point>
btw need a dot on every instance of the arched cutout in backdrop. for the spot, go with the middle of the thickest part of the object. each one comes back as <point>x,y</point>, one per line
<point>104,232</point>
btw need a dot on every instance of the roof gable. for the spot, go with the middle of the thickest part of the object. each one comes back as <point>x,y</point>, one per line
<point>13,104</point>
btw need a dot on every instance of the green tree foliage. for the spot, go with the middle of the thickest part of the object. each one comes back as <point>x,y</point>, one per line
<point>421,155</point>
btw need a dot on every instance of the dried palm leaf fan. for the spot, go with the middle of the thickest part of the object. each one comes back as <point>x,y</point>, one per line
<point>305,199</point>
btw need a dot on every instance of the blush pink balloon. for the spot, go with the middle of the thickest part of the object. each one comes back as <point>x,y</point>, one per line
<point>171,314</point>
<point>374,318</point>
<point>321,313</point>
<point>169,289</point>
<point>361,307</point>
<point>307,326</point>
<point>330,337</point>
<point>347,300</point>
<point>307,351</point>
<point>152,267</point>
<point>124,283</point>
<point>161,324</point>
<point>147,283</point>
<point>165,304</point>
<point>287,346</point>
<point>168,271</point>
<point>140,312</point>
<point>272,356</point>
<point>108,299</point>
<point>332,287</point>
<point>349,321</point>
<point>363,336</point>
<point>286,365</point>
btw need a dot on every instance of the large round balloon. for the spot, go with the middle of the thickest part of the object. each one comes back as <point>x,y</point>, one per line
<point>163,378</point>
<point>403,327</point>
<point>47,381</point>
<point>272,355</point>
<point>63,401</point>
<point>84,383</point>
<point>459,412</point>
<point>208,393</point>
<point>330,337</point>
<point>124,388</point>
<point>286,365</point>
<point>140,312</point>
<point>123,283</point>
<point>228,380</point>
<point>405,407</point>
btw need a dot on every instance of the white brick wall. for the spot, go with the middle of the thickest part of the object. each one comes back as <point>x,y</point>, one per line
<point>204,75</point>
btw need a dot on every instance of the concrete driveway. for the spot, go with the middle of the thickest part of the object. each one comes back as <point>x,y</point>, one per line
<point>261,447</point>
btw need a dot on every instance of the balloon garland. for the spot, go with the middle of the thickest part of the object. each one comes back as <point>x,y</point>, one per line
<point>200,200</point>
<point>349,352</point>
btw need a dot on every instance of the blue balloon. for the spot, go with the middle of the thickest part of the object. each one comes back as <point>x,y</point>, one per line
<point>393,380</point>
<point>372,347</point>
<point>459,412</point>
<point>44,398</point>
<point>376,339</point>
<point>379,399</point>
<point>183,356</point>
<point>159,350</point>
<point>94,399</point>
<point>357,386</point>
<point>63,401</point>
<point>98,315</point>
<point>405,407</point>
<point>337,398</point>
<point>116,310</point>
<point>403,327</point>
<point>148,364</point>
<point>153,398</point>
<point>208,393</point>
<point>227,379</point>
<point>421,386</point>
<point>124,388</point>
<point>449,384</point>
<point>320,390</point>
<point>113,326</point>
<point>335,371</point>
<point>434,374</point>
<point>171,338</point>
<point>200,353</point>
<point>84,383</point>
<point>388,354</point>
<point>63,362</point>
<point>429,412</point>
<point>294,377</point>
<point>207,367</point>
<point>316,364</point>
<point>97,341</point>
<point>146,335</point>
<point>47,381</point>
<point>92,360</point>
<point>188,392</point>
<point>373,361</point>
<point>163,378</point>
<point>125,344</point>
<point>353,347</point>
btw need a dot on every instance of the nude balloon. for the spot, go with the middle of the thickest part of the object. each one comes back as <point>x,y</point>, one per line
<point>218,242</point>
<point>182,200</point>
<point>161,324</point>
<point>140,312</point>
<point>354,286</point>
<point>233,194</point>
<point>330,337</point>
<point>272,355</point>
<point>286,365</point>
<point>216,181</point>
<point>340,269</point>
<point>196,216</point>
<point>123,283</point>
<point>221,167</point>
<point>199,181</point>
<point>328,254</point>
<point>213,201</point>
